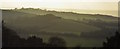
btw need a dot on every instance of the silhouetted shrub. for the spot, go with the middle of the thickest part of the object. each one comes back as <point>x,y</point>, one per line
<point>57,41</point>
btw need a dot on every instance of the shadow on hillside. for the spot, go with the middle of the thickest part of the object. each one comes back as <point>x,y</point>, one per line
<point>10,39</point>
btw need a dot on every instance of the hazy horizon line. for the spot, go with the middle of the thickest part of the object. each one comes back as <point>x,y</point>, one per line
<point>67,10</point>
<point>55,8</point>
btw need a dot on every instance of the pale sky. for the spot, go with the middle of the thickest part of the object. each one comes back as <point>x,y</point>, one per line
<point>59,0</point>
<point>69,4</point>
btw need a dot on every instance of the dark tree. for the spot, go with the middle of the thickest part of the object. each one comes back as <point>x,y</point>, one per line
<point>57,42</point>
<point>34,41</point>
<point>112,42</point>
<point>9,37</point>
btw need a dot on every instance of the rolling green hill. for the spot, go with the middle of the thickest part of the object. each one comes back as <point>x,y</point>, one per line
<point>76,29</point>
<point>69,15</point>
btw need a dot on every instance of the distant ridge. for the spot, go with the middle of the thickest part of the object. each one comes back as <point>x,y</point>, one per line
<point>60,11</point>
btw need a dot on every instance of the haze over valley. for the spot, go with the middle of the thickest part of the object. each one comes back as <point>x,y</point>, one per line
<point>83,23</point>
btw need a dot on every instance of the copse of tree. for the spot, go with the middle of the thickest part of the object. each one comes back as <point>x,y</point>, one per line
<point>112,42</point>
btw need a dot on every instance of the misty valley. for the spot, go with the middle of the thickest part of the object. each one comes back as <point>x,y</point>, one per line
<point>84,30</point>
